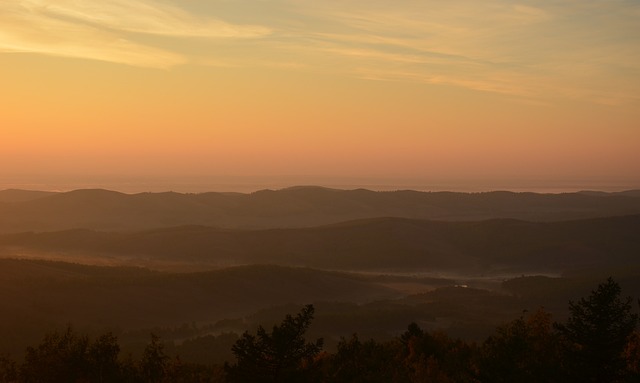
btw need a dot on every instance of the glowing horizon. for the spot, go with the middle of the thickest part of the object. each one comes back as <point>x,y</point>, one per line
<point>534,92</point>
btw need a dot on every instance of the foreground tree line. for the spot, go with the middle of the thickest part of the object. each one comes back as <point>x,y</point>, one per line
<point>598,343</point>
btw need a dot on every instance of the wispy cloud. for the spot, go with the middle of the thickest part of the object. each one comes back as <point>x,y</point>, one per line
<point>59,38</point>
<point>141,16</point>
<point>102,30</point>
<point>540,49</point>
<point>543,49</point>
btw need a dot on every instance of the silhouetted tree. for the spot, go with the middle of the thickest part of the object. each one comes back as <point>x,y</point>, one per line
<point>524,350</point>
<point>154,362</point>
<point>129,370</point>
<point>632,355</point>
<point>103,359</point>
<point>279,356</point>
<point>179,371</point>
<point>434,357</point>
<point>597,333</point>
<point>8,370</point>
<point>67,357</point>
<point>59,358</point>
<point>359,362</point>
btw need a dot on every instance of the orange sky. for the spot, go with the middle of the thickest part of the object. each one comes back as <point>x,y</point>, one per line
<point>421,91</point>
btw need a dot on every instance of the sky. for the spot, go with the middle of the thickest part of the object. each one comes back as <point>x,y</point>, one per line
<point>462,94</point>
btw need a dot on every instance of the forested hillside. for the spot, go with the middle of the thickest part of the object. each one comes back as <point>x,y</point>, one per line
<point>292,207</point>
<point>483,247</point>
<point>100,271</point>
<point>597,342</point>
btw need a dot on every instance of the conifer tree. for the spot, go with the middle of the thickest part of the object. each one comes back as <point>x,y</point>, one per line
<point>277,356</point>
<point>596,333</point>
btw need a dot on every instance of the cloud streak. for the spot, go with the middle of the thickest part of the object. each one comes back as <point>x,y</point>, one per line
<point>105,30</point>
<point>145,17</point>
<point>545,49</point>
<point>539,50</point>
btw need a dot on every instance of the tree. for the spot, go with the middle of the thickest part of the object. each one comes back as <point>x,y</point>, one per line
<point>8,370</point>
<point>596,333</point>
<point>154,362</point>
<point>434,357</point>
<point>524,350</point>
<point>632,355</point>
<point>59,358</point>
<point>278,356</point>
<point>359,362</point>
<point>103,359</point>
<point>68,357</point>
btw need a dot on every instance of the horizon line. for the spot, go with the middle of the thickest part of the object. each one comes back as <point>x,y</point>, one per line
<point>253,188</point>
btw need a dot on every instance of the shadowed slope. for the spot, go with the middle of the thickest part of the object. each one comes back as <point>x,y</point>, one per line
<point>295,207</point>
<point>382,243</point>
<point>17,195</point>
<point>132,297</point>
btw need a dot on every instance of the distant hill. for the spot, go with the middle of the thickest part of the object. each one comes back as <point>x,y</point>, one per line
<point>131,297</point>
<point>40,295</point>
<point>493,246</point>
<point>627,193</point>
<point>630,193</point>
<point>292,207</point>
<point>16,195</point>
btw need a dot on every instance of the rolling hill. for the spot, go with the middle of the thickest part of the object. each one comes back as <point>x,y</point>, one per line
<point>134,297</point>
<point>18,195</point>
<point>493,246</point>
<point>293,207</point>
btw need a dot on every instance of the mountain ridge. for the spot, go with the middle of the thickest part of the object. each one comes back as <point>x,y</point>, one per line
<point>305,206</point>
<point>379,243</point>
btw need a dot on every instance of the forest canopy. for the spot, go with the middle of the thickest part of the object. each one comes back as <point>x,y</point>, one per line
<point>599,342</point>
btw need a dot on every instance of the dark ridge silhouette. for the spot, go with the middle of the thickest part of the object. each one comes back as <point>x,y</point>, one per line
<point>306,206</point>
<point>17,195</point>
<point>41,294</point>
<point>628,193</point>
<point>595,340</point>
<point>498,245</point>
<point>134,297</point>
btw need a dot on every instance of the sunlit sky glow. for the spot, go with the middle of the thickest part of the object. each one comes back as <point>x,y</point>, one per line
<point>545,92</point>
